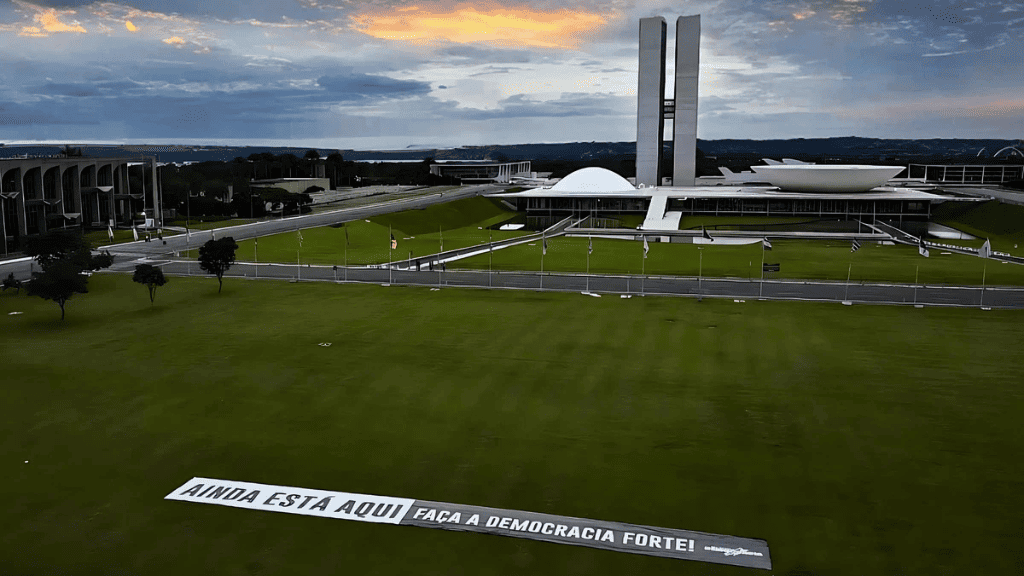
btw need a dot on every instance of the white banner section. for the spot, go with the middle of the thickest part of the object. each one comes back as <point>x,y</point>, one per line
<point>291,500</point>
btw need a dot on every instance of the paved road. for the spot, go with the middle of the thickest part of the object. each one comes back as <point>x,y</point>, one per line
<point>972,296</point>
<point>125,254</point>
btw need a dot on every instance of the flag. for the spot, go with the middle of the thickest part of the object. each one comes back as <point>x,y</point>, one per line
<point>299,232</point>
<point>255,242</point>
<point>766,244</point>
<point>135,233</point>
<point>394,243</point>
<point>855,246</point>
<point>647,247</point>
<point>110,233</point>
<point>188,234</point>
<point>986,250</point>
<point>544,246</point>
<point>346,235</point>
<point>590,248</point>
<point>921,249</point>
<point>160,233</point>
<point>213,235</point>
<point>441,238</point>
<point>706,235</point>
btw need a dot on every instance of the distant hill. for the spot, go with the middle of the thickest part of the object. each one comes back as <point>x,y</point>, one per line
<point>817,149</point>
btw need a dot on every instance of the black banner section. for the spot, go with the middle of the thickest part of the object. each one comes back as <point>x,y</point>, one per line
<point>617,536</point>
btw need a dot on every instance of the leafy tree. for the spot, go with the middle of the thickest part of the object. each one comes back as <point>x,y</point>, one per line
<point>59,246</point>
<point>12,282</point>
<point>217,256</point>
<point>101,260</point>
<point>151,276</point>
<point>59,281</point>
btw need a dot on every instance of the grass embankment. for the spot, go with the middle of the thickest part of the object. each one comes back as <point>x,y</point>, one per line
<point>865,440</point>
<point>799,259</point>
<point>462,223</point>
<point>1002,224</point>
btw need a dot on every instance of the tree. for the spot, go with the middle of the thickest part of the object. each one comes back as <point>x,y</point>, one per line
<point>151,276</point>
<point>217,256</point>
<point>59,282</point>
<point>12,282</point>
<point>58,246</point>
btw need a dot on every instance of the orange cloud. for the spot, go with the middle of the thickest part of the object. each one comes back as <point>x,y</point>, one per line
<point>131,27</point>
<point>49,22</point>
<point>492,23</point>
<point>174,40</point>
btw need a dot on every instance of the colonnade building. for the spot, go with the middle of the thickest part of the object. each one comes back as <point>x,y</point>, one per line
<point>40,194</point>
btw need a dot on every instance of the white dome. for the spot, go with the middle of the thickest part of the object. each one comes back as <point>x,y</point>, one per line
<point>599,180</point>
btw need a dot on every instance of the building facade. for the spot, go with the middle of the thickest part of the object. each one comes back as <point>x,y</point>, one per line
<point>40,194</point>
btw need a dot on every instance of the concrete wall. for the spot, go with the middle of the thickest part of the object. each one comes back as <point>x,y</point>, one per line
<point>684,126</point>
<point>650,113</point>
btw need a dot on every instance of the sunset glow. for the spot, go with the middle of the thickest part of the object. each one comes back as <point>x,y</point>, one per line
<point>481,23</point>
<point>174,40</point>
<point>131,27</point>
<point>48,23</point>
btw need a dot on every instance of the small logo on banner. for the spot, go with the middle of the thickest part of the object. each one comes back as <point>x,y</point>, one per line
<point>732,551</point>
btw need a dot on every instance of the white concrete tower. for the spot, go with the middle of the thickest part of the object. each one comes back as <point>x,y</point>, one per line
<point>684,123</point>
<point>650,101</point>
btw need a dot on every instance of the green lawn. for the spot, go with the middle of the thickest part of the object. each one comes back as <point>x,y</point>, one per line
<point>462,223</point>
<point>864,440</point>
<point>801,259</point>
<point>98,238</point>
<point>1002,224</point>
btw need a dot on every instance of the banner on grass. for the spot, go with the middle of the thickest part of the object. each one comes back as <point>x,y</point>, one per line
<point>618,536</point>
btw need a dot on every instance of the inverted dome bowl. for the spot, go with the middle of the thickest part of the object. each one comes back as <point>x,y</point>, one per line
<point>827,178</point>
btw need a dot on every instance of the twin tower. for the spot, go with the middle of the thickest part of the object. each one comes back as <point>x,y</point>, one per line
<point>653,109</point>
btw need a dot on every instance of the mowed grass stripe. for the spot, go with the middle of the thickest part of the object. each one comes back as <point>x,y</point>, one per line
<point>856,440</point>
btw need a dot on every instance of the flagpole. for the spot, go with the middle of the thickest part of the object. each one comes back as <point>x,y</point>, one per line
<point>700,273</point>
<point>256,255</point>
<point>588,261</point>
<point>543,250</point>
<point>760,290</point>
<point>440,248</point>
<point>917,273</point>
<point>983,272</point>
<point>391,248</point>
<point>643,267</point>
<point>846,298</point>
<point>490,257</point>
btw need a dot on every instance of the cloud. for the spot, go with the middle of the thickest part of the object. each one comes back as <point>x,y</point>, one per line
<point>480,22</point>
<point>131,27</point>
<point>49,22</point>
<point>174,40</point>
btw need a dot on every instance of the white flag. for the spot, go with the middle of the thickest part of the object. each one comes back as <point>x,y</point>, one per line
<point>135,233</point>
<point>647,247</point>
<point>110,233</point>
<point>299,232</point>
<point>766,244</point>
<point>986,250</point>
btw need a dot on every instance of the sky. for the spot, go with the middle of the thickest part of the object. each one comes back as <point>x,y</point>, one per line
<point>390,74</point>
